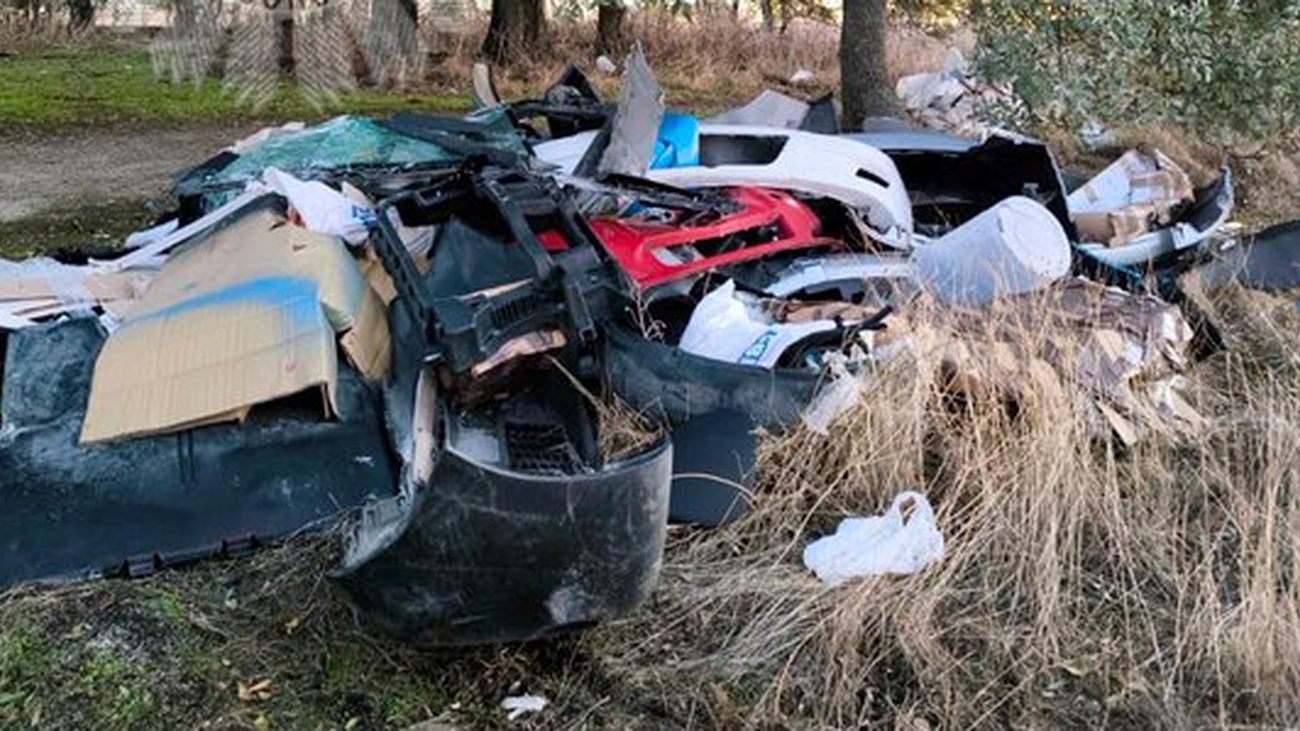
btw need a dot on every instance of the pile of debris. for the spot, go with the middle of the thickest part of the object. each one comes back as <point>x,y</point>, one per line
<point>440,325</point>
<point>955,99</point>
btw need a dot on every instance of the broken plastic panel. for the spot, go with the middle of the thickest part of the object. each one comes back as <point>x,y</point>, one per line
<point>857,175</point>
<point>657,245</point>
<point>487,133</point>
<point>713,468</point>
<point>472,313</point>
<point>951,179</point>
<point>1268,261</point>
<point>134,506</point>
<point>663,380</point>
<point>1210,210</point>
<point>513,525</point>
<point>856,278</point>
<point>569,106</point>
<point>774,109</point>
<point>629,147</point>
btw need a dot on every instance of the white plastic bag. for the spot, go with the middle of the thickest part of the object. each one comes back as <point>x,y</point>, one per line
<point>322,208</point>
<point>880,544</point>
<point>724,327</point>
<point>519,705</point>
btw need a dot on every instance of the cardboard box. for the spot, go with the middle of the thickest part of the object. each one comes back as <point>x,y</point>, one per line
<point>1137,193</point>
<point>210,358</point>
<point>245,315</point>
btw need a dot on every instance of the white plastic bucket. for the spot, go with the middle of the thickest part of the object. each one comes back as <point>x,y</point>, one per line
<point>1014,247</point>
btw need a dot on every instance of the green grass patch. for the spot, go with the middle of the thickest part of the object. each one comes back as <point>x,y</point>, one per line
<point>169,606</point>
<point>24,674</point>
<point>117,691</point>
<point>117,85</point>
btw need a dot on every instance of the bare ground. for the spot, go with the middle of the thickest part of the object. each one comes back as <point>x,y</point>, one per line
<point>60,185</point>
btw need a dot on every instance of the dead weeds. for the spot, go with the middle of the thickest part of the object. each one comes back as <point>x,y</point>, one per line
<point>1084,583</point>
<point>707,64</point>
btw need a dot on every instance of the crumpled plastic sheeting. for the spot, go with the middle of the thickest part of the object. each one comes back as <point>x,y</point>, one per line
<point>39,288</point>
<point>834,400</point>
<point>322,208</point>
<point>518,705</point>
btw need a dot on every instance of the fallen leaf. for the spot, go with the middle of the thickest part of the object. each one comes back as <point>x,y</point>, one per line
<point>257,690</point>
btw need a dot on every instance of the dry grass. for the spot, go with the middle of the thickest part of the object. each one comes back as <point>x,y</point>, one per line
<point>705,64</point>
<point>1084,585</point>
<point>622,432</point>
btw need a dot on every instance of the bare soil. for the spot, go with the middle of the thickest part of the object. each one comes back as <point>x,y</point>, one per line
<point>50,179</point>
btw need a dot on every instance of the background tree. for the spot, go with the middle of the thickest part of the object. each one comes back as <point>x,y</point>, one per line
<point>393,36</point>
<point>864,74</point>
<point>81,13</point>
<point>769,15</point>
<point>515,28</point>
<point>284,34</point>
<point>609,26</point>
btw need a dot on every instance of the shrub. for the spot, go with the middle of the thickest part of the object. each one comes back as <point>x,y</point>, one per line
<point>1217,65</point>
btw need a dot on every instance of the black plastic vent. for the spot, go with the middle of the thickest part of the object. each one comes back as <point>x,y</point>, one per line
<point>541,449</point>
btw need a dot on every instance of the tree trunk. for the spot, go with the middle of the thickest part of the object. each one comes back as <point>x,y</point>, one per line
<point>81,13</point>
<point>864,76</point>
<point>284,39</point>
<point>769,15</point>
<point>609,27</point>
<point>184,18</point>
<point>411,27</point>
<point>515,29</point>
<point>393,37</point>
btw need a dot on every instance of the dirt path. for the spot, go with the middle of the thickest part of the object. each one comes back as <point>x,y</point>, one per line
<point>42,173</point>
